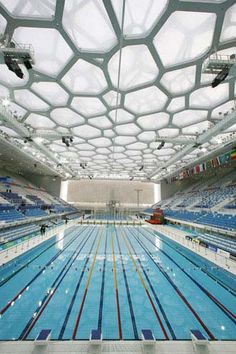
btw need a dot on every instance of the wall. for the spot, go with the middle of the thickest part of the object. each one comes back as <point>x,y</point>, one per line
<point>93,191</point>
<point>168,189</point>
<point>50,183</point>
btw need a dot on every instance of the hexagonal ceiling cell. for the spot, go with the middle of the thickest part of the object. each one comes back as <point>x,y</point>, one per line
<point>79,17</point>
<point>84,77</point>
<point>101,122</point>
<point>207,97</point>
<point>133,72</point>
<point>228,28</point>
<point>153,121</point>
<point>39,122</point>
<point>88,106</point>
<point>30,101</point>
<point>66,117</point>
<point>30,8</point>
<point>188,117</point>
<point>127,129</point>
<point>188,34</point>
<point>179,81</point>
<point>51,55</point>
<point>145,100</point>
<point>86,131</point>
<point>112,98</point>
<point>139,20</point>
<point>51,92</point>
<point>120,116</point>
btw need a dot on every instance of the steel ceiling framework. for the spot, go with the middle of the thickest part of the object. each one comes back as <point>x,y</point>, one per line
<point>159,97</point>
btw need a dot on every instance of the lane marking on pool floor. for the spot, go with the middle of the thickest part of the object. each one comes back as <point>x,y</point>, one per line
<point>153,291</point>
<point>26,287</point>
<point>146,289</point>
<point>4,281</point>
<point>102,287</point>
<point>86,289</point>
<point>211,335</point>
<point>63,327</point>
<point>132,315</point>
<point>222,307</point>
<point>116,289</point>
<point>54,287</point>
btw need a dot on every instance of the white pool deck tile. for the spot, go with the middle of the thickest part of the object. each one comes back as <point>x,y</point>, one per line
<point>113,347</point>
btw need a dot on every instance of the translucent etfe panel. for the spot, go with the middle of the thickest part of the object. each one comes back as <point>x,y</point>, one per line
<point>228,29</point>
<point>137,146</point>
<point>3,24</point>
<point>146,100</point>
<point>8,131</point>
<point>84,77</point>
<point>195,129</point>
<point>16,111</point>
<point>208,97</point>
<point>39,122</point>
<point>124,140</point>
<point>111,98</point>
<point>29,100</point>
<point>4,92</point>
<point>133,72</point>
<point>57,148</point>
<point>10,79</point>
<point>140,16</point>
<point>121,116</point>
<point>88,25</point>
<point>127,129</point>
<point>185,36</point>
<point>100,142</point>
<point>51,92</point>
<point>30,8</point>
<point>86,131</point>
<point>218,113</point>
<point>179,81</point>
<point>100,122</point>
<point>189,117</point>
<point>66,117</point>
<point>147,136</point>
<point>164,152</point>
<point>176,104</point>
<point>89,106</point>
<point>52,54</point>
<point>109,133</point>
<point>85,146</point>
<point>168,132</point>
<point>153,121</point>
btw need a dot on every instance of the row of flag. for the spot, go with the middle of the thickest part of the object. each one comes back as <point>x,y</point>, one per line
<point>215,162</point>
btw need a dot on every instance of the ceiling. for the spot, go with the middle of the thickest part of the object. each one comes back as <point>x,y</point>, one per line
<point>119,77</point>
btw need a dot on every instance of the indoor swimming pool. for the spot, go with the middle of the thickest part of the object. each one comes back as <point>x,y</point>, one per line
<point>120,279</point>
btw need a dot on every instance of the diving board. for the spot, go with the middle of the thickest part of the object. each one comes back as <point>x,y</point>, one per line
<point>198,338</point>
<point>95,341</point>
<point>43,337</point>
<point>148,341</point>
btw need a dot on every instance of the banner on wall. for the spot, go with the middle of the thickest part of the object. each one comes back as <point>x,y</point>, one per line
<point>213,163</point>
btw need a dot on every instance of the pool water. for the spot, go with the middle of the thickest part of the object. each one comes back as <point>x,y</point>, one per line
<point>120,279</point>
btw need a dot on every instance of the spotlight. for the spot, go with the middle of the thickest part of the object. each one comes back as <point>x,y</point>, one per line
<point>13,66</point>
<point>141,168</point>
<point>160,146</point>
<point>220,77</point>
<point>71,139</point>
<point>27,64</point>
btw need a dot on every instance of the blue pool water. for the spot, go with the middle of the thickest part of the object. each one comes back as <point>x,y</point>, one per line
<point>119,279</point>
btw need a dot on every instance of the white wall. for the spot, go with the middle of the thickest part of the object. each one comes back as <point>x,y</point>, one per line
<point>102,191</point>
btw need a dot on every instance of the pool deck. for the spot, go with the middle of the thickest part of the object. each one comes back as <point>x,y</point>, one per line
<point>15,251</point>
<point>179,237</point>
<point>113,347</point>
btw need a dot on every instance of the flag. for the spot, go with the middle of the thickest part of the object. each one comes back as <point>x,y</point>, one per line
<point>224,158</point>
<point>216,162</point>
<point>197,169</point>
<point>208,164</point>
<point>233,154</point>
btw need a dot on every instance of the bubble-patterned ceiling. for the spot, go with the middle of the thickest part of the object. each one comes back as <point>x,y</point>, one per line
<point>118,76</point>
